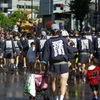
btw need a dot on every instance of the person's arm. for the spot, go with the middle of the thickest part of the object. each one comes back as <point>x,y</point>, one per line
<point>91,50</point>
<point>13,46</point>
<point>2,49</point>
<point>46,52</point>
<point>27,55</point>
<point>20,45</point>
<point>85,73</point>
<point>78,45</point>
<point>99,69</point>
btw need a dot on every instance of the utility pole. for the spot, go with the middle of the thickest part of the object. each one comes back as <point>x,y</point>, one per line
<point>96,13</point>
<point>99,6</point>
<point>52,10</point>
<point>31,9</point>
<point>99,13</point>
<point>24,6</point>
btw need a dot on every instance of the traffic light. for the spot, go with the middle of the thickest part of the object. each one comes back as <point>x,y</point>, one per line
<point>61,6</point>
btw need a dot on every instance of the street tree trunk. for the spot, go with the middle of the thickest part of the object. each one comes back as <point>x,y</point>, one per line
<point>81,25</point>
<point>76,24</point>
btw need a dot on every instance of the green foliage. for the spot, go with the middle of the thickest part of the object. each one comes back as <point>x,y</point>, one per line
<point>36,9</point>
<point>11,21</point>
<point>19,14</point>
<point>5,21</point>
<point>79,8</point>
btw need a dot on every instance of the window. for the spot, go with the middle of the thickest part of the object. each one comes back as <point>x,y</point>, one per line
<point>5,1</point>
<point>5,10</point>
<point>19,6</point>
<point>28,7</point>
<point>22,6</point>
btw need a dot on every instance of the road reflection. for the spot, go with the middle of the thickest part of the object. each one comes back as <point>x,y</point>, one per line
<point>12,86</point>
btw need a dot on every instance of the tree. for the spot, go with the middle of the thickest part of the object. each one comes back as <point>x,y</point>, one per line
<point>36,8</point>
<point>19,14</point>
<point>80,8</point>
<point>5,21</point>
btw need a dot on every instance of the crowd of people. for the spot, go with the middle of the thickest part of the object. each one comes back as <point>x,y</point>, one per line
<point>58,52</point>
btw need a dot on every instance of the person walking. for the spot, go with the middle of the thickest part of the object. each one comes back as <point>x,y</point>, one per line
<point>92,76</point>
<point>85,49</point>
<point>18,49</point>
<point>9,53</point>
<point>31,57</point>
<point>97,46</point>
<point>56,51</point>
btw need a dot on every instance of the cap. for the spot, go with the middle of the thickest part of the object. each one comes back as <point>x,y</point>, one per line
<point>43,33</point>
<point>55,27</point>
<point>64,33</point>
<point>48,24</point>
<point>76,32</point>
<point>8,37</point>
<point>29,35</point>
<point>32,43</point>
<point>16,37</point>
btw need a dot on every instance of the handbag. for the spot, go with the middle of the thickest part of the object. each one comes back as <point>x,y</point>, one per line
<point>41,82</point>
<point>30,85</point>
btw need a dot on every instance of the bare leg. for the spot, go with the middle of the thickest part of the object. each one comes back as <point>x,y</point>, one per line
<point>95,94</point>
<point>24,60</point>
<point>63,85</point>
<point>17,61</point>
<point>54,86</point>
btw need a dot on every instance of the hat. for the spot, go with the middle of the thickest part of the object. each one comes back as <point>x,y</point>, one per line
<point>16,37</point>
<point>55,27</point>
<point>32,43</point>
<point>29,35</point>
<point>48,24</point>
<point>8,37</point>
<point>64,33</point>
<point>43,33</point>
<point>76,32</point>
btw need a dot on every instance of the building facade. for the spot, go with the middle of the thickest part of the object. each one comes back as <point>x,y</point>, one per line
<point>50,10</point>
<point>59,11</point>
<point>8,6</point>
<point>99,7</point>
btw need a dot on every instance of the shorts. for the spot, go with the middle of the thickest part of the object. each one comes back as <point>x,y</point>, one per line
<point>84,58</point>
<point>17,52</point>
<point>73,57</point>
<point>94,87</point>
<point>40,56</point>
<point>1,56</point>
<point>59,69</point>
<point>8,54</point>
<point>32,60</point>
<point>24,53</point>
<point>57,75</point>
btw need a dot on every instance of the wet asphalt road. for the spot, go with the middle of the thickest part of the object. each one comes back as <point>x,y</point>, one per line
<point>12,87</point>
